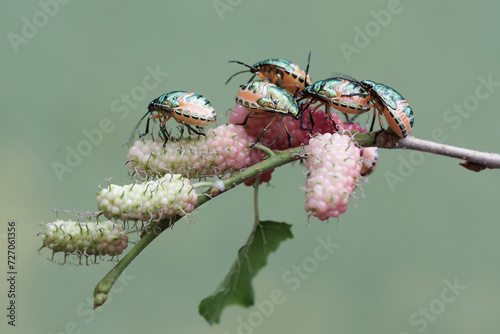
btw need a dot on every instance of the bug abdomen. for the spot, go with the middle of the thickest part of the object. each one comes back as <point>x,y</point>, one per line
<point>194,109</point>
<point>400,119</point>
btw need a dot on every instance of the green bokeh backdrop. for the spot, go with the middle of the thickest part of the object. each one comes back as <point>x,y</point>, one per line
<point>399,243</point>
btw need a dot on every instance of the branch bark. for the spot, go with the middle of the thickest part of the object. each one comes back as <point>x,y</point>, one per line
<point>473,160</point>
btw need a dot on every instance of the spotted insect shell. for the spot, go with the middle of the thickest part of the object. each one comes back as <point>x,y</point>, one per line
<point>292,76</point>
<point>393,106</point>
<point>335,93</point>
<point>187,107</point>
<point>262,96</point>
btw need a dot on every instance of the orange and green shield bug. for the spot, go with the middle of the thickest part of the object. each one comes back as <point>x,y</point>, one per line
<point>262,98</point>
<point>393,106</point>
<point>344,95</point>
<point>187,108</point>
<point>280,72</point>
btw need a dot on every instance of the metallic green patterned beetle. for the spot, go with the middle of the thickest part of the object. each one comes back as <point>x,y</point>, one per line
<point>186,108</point>
<point>392,105</point>
<point>261,97</point>
<point>345,95</point>
<point>280,72</point>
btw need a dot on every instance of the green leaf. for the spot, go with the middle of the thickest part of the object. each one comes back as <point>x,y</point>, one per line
<point>237,286</point>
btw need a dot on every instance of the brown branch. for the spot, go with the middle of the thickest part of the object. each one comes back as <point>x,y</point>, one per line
<point>473,160</point>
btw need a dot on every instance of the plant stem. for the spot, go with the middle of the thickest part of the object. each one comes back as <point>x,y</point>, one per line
<point>265,149</point>
<point>387,139</point>
<point>203,184</point>
<point>488,160</point>
<point>102,289</point>
<point>256,185</point>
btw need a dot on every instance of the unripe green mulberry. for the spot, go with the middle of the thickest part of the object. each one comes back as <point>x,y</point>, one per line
<point>157,199</point>
<point>85,238</point>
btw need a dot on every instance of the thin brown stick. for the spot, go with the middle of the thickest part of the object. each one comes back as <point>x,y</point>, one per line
<point>473,160</point>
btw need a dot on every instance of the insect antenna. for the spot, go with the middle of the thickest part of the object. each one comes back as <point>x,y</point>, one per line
<point>307,68</point>
<point>130,140</point>
<point>241,63</point>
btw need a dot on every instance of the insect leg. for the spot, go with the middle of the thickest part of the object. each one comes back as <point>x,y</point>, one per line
<point>373,120</point>
<point>198,130</point>
<point>327,111</point>
<point>246,119</point>
<point>262,132</point>
<point>287,133</point>
<point>147,127</point>
<point>302,121</point>
<point>165,135</point>
<point>163,130</point>
<point>348,121</point>
<point>279,80</point>
<point>354,117</point>
<point>380,121</point>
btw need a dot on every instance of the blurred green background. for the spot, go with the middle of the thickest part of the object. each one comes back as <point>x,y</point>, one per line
<point>424,222</point>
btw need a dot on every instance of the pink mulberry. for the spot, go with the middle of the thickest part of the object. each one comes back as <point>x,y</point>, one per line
<point>334,165</point>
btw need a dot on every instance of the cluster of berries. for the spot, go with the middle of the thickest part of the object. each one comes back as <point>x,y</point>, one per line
<point>160,198</point>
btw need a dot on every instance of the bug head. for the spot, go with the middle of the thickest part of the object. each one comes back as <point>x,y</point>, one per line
<point>151,106</point>
<point>368,84</point>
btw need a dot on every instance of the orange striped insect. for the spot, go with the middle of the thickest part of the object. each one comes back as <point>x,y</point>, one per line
<point>280,72</point>
<point>186,108</point>
<point>393,106</point>
<point>264,97</point>
<point>344,95</point>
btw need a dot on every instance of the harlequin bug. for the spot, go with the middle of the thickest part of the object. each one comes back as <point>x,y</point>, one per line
<point>392,105</point>
<point>261,98</point>
<point>344,95</point>
<point>280,72</point>
<point>186,108</point>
